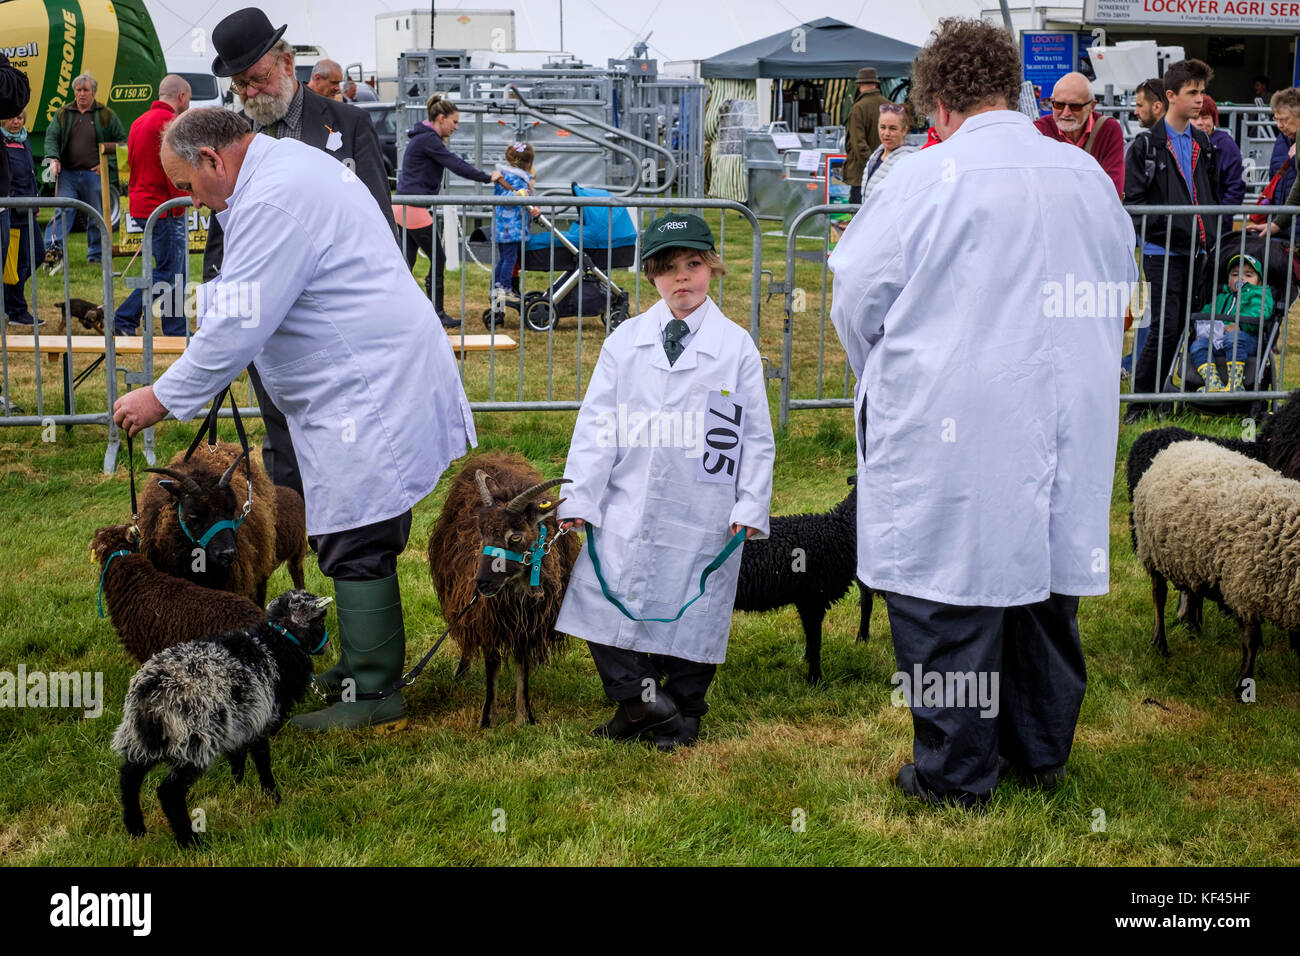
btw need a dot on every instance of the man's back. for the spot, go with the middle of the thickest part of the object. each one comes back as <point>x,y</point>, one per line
<point>983,304</point>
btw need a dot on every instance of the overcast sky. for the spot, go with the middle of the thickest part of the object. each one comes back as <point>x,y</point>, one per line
<point>594,30</point>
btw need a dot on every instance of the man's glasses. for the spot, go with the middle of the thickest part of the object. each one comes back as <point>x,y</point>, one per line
<point>239,86</point>
<point>1063,105</point>
<point>892,108</point>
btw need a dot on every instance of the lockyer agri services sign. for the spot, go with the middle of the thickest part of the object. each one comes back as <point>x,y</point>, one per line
<point>1281,16</point>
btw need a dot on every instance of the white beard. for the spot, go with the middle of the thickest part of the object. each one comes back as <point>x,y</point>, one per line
<point>267,107</point>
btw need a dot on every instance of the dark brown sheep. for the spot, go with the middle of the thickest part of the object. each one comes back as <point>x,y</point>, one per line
<point>290,532</point>
<point>150,609</point>
<point>499,500</point>
<point>207,491</point>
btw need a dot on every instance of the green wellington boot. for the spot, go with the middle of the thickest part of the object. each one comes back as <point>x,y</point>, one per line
<point>373,642</point>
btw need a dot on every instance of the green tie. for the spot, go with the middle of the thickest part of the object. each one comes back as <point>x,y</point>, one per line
<point>674,332</point>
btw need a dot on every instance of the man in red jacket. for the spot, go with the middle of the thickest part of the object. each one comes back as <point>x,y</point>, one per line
<point>1074,120</point>
<point>150,188</point>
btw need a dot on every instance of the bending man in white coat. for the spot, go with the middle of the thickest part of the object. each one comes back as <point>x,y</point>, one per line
<point>350,351</point>
<point>987,411</point>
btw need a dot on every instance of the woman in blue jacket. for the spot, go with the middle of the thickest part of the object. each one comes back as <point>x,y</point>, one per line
<point>423,163</point>
<point>1228,175</point>
<point>1286,114</point>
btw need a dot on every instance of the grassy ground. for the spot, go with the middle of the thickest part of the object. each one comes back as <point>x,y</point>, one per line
<point>1182,773</point>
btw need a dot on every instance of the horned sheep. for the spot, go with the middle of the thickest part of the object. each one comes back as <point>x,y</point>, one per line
<point>498,500</point>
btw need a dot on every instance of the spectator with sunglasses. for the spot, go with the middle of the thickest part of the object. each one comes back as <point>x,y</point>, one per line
<point>1074,120</point>
<point>892,126</point>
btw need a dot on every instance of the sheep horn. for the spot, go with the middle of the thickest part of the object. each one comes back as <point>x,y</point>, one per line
<point>480,477</point>
<point>189,483</point>
<point>520,501</point>
<point>230,472</point>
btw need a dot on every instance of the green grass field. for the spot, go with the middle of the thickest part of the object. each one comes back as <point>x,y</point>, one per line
<point>1181,772</point>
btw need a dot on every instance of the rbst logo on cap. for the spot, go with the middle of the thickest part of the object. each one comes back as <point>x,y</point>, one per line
<point>675,224</point>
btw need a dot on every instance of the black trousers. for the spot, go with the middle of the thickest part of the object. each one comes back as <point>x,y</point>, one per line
<point>624,673</point>
<point>855,194</point>
<point>368,553</point>
<point>278,456</point>
<point>425,238</point>
<point>1167,278</point>
<point>1033,651</point>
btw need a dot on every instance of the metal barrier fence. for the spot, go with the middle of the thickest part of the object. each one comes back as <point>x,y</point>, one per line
<point>1209,274</point>
<point>541,289</point>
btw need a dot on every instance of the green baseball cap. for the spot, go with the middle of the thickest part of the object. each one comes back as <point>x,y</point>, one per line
<point>675,231</point>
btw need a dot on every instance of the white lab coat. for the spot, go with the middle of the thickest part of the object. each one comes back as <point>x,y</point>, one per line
<point>986,421</point>
<point>657,525</point>
<point>314,290</point>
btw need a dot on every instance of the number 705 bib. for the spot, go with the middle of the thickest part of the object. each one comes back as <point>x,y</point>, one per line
<point>723,428</point>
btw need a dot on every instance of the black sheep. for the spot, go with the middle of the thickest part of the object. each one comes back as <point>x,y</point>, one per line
<point>808,560</point>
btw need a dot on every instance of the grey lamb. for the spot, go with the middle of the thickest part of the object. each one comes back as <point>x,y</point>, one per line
<point>1217,524</point>
<point>226,693</point>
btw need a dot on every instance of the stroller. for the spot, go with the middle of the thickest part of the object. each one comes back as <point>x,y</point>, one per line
<point>1260,370</point>
<point>604,239</point>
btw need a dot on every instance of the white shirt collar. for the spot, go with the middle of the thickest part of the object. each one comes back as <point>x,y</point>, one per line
<point>692,320</point>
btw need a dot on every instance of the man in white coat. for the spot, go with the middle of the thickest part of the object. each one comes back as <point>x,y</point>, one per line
<point>349,349</point>
<point>980,298</point>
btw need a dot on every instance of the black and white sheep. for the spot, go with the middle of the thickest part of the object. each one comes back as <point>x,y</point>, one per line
<point>499,500</point>
<point>1217,524</point>
<point>152,610</point>
<point>227,693</point>
<point>809,561</point>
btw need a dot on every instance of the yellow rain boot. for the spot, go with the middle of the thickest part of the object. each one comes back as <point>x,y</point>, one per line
<point>1236,377</point>
<point>1210,375</point>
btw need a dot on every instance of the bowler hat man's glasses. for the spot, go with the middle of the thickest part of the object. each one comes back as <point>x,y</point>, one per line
<point>260,81</point>
<point>1063,105</point>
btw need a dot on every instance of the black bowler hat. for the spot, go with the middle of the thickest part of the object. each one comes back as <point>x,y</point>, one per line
<point>242,39</point>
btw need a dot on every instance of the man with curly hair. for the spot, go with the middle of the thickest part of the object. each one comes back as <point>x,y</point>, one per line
<point>981,306</point>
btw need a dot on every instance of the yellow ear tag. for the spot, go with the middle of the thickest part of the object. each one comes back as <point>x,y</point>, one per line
<point>92,556</point>
<point>544,504</point>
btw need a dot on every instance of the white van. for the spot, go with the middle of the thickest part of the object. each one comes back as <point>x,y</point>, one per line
<point>206,89</point>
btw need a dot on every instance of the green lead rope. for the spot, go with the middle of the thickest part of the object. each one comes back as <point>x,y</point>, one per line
<point>736,540</point>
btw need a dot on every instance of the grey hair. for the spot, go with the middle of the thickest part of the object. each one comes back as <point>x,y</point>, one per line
<point>210,126</point>
<point>86,78</point>
<point>325,68</point>
<point>282,47</point>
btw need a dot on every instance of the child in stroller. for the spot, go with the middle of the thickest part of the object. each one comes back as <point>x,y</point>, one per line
<point>1231,330</point>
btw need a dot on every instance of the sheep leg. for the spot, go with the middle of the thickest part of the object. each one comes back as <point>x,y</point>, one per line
<point>865,596</point>
<point>1159,592</point>
<point>237,760</point>
<point>811,616</point>
<point>295,572</point>
<point>171,794</point>
<point>493,662</point>
<point>1189,610</point>
<point>261,750</point>
<point>1252,636</point>
<point>1295,641</point>
<point>130,777</point>
<point>523,706</point>
<point>261,593</point>
<point>462,668</point>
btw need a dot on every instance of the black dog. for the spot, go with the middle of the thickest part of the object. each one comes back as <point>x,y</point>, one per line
<point>90,316</point>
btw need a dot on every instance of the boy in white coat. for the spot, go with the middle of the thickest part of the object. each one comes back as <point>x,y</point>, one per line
<point>671,456</point>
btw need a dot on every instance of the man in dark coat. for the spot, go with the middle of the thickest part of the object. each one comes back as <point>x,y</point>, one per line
<point>861,136</point>
<point>260,64</point>
<point>1171,164</point>
<point>14,93</point>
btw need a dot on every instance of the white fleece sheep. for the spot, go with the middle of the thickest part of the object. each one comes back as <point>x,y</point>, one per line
<point>1218,524</point>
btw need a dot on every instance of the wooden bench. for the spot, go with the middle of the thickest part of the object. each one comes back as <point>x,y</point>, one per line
<point>55,346</point>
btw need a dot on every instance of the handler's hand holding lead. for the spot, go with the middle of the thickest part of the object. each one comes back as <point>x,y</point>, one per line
<point>568,523</point>
<point>137,410</point>
<point>749,532</point>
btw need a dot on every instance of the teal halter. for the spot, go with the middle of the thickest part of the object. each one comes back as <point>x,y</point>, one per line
<point>100,600</point>
<point>211,532</point>
<point>533,558</point>
<point>324,641</point>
